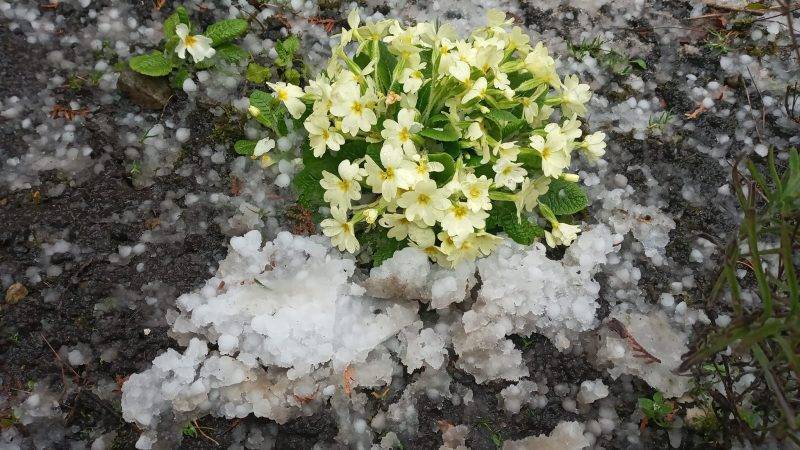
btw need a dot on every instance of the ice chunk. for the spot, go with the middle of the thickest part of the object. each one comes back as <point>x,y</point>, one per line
<point>565,436</point>
<point>657,337</point>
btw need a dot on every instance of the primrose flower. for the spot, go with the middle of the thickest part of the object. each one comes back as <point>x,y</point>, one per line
<point>425,202</point>
<point>541,65</point>
<point>397,173</point>
<point>561,234</point>
<point>290,95</point>
<point>197,45</point>
<point>464,249</point>
<point>594,145</point>
<point>425,167</point>
<point>322,135</point>
<point>397,134</point>
<point>353,108</point>
<point>477,192</point>
<point>508,173</point>
<point>459,63</point>
<point>574,96</point>
<point>528,196</point>
<point>260,151</point>
<point>478,90</point>
<point>401,228</point>
<point>459,220</point>
<point>412,78</point>
<point>340,230</point>
<point>321,91</point>
<point>342,190</point>
<point>553,151</point>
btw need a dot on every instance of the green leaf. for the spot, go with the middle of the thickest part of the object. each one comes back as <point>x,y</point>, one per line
<point>423,96</point>
<point>286,50</point>
<point>639,62</point>
<point>256,73</point>
<point>503,216</point>
<point>244,147</point>
<point>446,134</point>
<point>530,160</point>
<point>374,152</point>
<point>177,78</point>
<point>379,245</point>
<point>153,64</point>
<point>564,197</point>
<point>501,117</point>
<point>449,167</point>
<point>232,53</point>
<point>226,31</point>
<point>512,128</point>
<point>272,112</point>
<point>173,20</point>
<point>385,67</point>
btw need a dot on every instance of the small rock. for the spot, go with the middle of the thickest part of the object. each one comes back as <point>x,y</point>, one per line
<point>15,293</point>
<point>147,92</point>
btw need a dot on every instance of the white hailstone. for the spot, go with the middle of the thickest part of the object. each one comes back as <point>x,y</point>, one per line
<point>761,150</point>
<point>592,391</point>
<point>182,134</point>
<point>283,180</point>
<point>189,86</point>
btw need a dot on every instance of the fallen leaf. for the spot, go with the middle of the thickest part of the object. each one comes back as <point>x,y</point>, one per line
<point>15,293</point>
<point>347,379</point>
<point>696,113</point>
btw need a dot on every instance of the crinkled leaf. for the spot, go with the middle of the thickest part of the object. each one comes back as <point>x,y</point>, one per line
<point>232,53</point>
<point>513,127</point>
<point>530,160</point>
<point>379,245</point>
<point>286,50</point>
<point>449,167</point>
<point>226,30</point>
<point>153,64</point>
<point>256,73</point>
<point>423,96</point>
<point>445,134</point>
<point>179,16</point>
<point>564,197</point>
<point>245,147</point>
<point>272,112</point>
<point>503,216</point>
<point>501,117</point>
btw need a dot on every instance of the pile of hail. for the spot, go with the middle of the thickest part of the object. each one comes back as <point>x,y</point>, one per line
<point>416,137</point>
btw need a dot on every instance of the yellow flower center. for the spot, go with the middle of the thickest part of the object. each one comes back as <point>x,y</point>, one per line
<point>546,152</point>
<point>474,192</point>
<point>507,170</point>
<point>404,135</point>
<point>190,41</point>
<point>283,95</point>
<point>346,227</point>
<point>325,134</point>
<point>460,211</point>
<point>357,107</point>
<point>423,199</point>
<point>344,185</point>
<point>422,168</point>
<point>388,174</point>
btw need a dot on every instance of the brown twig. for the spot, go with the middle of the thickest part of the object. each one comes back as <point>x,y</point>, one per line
<point>203,433</point>
<point>637,349</point>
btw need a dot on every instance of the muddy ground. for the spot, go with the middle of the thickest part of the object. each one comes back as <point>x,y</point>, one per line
<point>31,329</point>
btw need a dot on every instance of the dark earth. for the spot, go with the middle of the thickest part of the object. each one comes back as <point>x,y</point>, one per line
<point>33,328</point>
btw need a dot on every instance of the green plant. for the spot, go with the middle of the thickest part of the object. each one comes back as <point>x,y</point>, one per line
<point>206,50</point>
<point>421,139</point>
<point>495,436</point>
<point>612,60</point>
<point>189,430</point>
<point>659,122</point>
<point>764,333</point>
<point>288,61</point>
<point>657,410</point>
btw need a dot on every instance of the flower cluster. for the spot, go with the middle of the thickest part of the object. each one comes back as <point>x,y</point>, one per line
<point>440,142</point>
